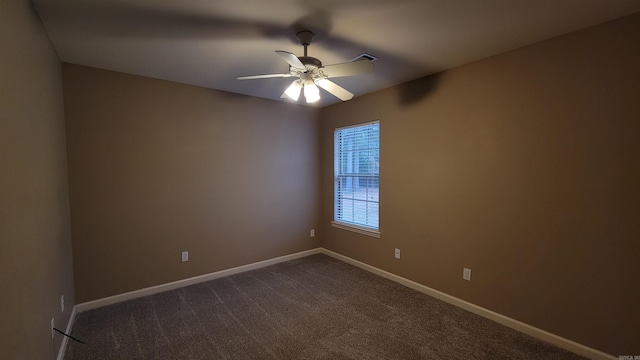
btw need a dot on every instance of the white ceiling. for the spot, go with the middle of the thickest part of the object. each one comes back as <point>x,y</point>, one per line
<point>210,42</point>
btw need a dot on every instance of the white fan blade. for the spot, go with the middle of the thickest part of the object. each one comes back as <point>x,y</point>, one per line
<point>291,59</point>
<point>264,76</point>
<point>335,89</point>
<point>348,69</point>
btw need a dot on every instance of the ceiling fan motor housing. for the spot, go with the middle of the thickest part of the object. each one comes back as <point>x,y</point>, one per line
<point>310,62</point>
<point>312,65</point>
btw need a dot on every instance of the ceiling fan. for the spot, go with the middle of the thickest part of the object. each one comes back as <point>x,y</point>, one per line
<point>310,73</point>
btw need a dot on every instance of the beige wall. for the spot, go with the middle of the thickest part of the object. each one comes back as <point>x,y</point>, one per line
<point>35,240</point>
<point>524,167</point>
<point>156,168</point>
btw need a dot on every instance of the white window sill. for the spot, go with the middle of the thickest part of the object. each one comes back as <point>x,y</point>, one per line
<point>355,228</point>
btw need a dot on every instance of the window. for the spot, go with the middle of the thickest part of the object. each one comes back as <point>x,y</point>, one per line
<point>356,182</point>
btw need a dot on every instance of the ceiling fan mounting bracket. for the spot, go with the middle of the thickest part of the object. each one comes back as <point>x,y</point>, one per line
<point>305,37</point>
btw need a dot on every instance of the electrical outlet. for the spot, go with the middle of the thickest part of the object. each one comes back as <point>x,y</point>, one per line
<point>397,253</point>
<point>185,256</point>
<point>312,233</point>
<point>466,274</point>
<point>53,324</point>
<point>62,303</point>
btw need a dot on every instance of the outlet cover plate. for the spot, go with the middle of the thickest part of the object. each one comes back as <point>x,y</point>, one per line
<point>466,274</point>
<point>397,253</point>
<point>185,256</point>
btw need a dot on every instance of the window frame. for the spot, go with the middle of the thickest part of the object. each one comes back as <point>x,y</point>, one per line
<point>350,226</point>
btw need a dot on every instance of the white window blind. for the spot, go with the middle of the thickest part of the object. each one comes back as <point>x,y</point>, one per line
<point>357,171</point>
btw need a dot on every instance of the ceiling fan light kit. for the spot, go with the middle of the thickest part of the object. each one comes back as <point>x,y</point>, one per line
<point>311,74</point>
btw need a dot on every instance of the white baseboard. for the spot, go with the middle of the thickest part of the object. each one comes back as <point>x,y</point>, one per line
<point>190,281</point>
<point>491,315</point>
<point>65,340</point>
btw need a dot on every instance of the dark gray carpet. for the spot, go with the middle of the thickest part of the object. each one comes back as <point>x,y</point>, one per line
<point>310,308</point>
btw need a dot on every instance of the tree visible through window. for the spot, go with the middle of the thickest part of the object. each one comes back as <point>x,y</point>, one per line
<point>357,171</point>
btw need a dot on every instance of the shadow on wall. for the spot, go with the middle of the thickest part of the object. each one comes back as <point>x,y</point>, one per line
<point>416,90</point>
